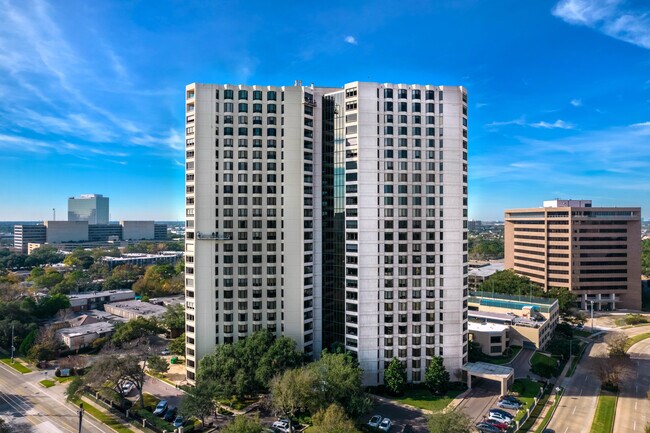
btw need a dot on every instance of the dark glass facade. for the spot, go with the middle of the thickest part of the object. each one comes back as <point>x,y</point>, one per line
<point>333,221</point>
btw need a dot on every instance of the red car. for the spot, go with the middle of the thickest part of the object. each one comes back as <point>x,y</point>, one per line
<point>497,424</point>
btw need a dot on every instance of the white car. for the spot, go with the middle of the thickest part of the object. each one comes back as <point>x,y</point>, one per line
<point>385,424</point>
<point>282,426</point>
<point>374,421</point>
<point>499,417</point>
<point>127,387</point>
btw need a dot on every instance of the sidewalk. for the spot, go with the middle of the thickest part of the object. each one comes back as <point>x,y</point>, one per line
<point>551,399</point>
<point>115,420</point>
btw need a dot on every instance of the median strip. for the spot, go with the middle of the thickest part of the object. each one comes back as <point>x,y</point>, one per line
<point>605,413</point>
<point>16,365</point>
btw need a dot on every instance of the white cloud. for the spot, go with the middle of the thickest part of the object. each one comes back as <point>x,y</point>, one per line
<point>558,124</point>
<point>609,17</point>
<point>576,102</point>
<point>351,40</point>
<point>519,122</point>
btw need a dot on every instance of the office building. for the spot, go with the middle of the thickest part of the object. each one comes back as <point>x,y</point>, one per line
<point>88,207</point>
<point>480,271</point>
<point>593,251</point>
<point>24,234</point>
<point>321,213</point>
<point>530,320</point>
<point>94,300</point>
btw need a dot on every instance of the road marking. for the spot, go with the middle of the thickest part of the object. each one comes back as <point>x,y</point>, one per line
<point>635,403</point>
<point>635,425</point>
<point>581,392</point>
<point>574,410</point>
<point>586,377</point>
<point>566,430</point>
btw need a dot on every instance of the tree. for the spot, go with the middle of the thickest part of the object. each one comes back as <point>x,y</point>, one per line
<point>160,280</point>
<point>510,283</point>
<point>436,376</point>
<point>111,370</point>
<point>332,420</point>
<point>134,329</point>
<point>395,377</point>
<point>174,319</point>
<point>485,249</point>
<point>44,255</point>
<point>48,306</point>
<point>177,345</point>
<point>281,356</point>
<point>158,365</point>
<point>28,342</point>
<point>611,371</point>
<point>197,403</point>
<point>46,280</point>
<point>340,380</point>
<point>79,258</point>
<point>294,391</point>
<point>46,345</point>
<point>616,344</point>
<point>566,299</point>
<point>243,424</point>
<point>454,421</point>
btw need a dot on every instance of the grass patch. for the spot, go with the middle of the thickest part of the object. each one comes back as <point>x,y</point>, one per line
<point>549,413</point>
<point>526,390</point>
<point>581,333</point>
<point>47,383</point>
<point>163,378</point>
<point>63,379</point>
<point>605,413</point>
<point>424,399</point>
<point>16,365</point>
<point>633,340</point>
<point>105,418</point>
<point>238,404</point>
<point>150,401</point>
<point>576,359</point>
<point>541,359</point>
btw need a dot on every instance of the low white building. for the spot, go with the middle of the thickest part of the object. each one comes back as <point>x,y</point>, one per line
<point>82,336</point>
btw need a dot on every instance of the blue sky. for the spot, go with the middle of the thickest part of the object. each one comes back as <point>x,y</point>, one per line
<point>91,93</point>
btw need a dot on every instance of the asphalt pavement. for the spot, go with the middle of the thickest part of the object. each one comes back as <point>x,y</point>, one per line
<point>633,407</point>
<point>33,408</point>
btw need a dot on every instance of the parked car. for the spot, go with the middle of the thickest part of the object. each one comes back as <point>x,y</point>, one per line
<point>375,421</point>
<point>127,386</point>
<point>502,413</point>
<point>507,404</point>
<point>165,352</point>
<point>170,415</point>
<point>385,424</point>
<point>178,422</point>
<point>282,425</point>
<point>484,427</point>
<point>497,424</point>
<point>500,418</point>
<point>512,398</point>
<point>161,408</point>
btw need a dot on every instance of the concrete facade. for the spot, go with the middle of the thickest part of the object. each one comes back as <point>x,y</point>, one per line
<point>137,230</point>
<point>66,231</point>
<point>24,234</point>
<point>94,300</point>
<point>593,251</point>
<point>320,214</point>
<point>79,337</point>
<point>493,338</point>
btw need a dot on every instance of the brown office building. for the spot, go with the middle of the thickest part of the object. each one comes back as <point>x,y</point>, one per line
<point>593,251</point>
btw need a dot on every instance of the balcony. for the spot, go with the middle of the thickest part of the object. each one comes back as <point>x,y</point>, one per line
<point>309,102</point>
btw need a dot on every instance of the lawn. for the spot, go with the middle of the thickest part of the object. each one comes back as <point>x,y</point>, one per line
<point>149,400</point>
<point>540,358</point>
<point>238,404</point>
<point>63,379</point>
<point>47,383</point>
<point>605,413</point>
<point>549,414</point>
<point>581,333</point>
<point>104,418</point>
<point>526,390</point>
<point>423,398</point>
<point>633,340</point>
<point>16,365</point>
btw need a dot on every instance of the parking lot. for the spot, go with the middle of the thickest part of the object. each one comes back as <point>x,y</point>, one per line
<point>483,397</point>
<point>399,416</point>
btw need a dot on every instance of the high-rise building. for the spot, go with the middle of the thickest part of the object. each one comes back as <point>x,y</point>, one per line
<point>24,234</point>
<point>593,251</point>
<point>330,215</point>
<point>88,207</point>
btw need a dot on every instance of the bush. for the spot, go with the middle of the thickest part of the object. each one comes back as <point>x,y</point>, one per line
<point>635,319</point>
<point>154,420</point>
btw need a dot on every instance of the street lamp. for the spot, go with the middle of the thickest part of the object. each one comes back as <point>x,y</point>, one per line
<point>592,317</point>
<point>81,414</point>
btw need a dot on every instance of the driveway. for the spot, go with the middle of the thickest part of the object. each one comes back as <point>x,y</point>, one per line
<point>521,363</point>
<point>482,397</point>
<point>163,391</point>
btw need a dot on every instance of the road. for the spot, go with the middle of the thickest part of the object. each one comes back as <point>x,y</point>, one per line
<point>578,405</point>
<point>633,408</point>
<point>34,408</point>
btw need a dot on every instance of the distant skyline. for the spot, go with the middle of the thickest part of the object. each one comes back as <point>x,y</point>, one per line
<point>92,93</point>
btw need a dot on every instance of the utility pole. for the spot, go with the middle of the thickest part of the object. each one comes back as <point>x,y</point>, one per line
<point>592,317</point>
<point>81,415</point>
<point>12,344</point>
